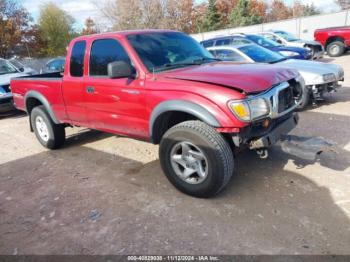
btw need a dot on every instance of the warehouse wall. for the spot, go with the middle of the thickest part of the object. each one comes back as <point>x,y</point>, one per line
<point>302,27</point>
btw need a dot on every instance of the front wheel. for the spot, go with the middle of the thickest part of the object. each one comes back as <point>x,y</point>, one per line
<point>196,159</point>
<point>336,48</point>
<point>49,134</point>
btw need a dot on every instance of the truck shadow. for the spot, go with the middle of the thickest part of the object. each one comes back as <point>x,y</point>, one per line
<point>12,114</point>
<point>266,208</point>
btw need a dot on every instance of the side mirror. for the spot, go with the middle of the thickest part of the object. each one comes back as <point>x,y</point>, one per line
<point>119,69</point>
<point>21,69</point>
<point>279,41</point>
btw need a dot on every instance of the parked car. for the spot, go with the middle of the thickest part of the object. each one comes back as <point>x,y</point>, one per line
<point>336,40</point>
<point>22,68</point>
<point>7,71</point>
<point>225,40</point>
<point>287,39</point>
<point>287,51</point>
<point>164,87</point>
<point>319,77</point>
<point>54,65</point>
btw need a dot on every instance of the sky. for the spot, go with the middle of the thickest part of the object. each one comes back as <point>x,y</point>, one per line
<point>83,9</point>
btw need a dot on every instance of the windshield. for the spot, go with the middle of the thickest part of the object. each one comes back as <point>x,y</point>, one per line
<point>16,63</point>
<point>168,50</point>
<point>260,40</point>
<point>6,68</point>
<point>260,54</point>
<point>289,37</point>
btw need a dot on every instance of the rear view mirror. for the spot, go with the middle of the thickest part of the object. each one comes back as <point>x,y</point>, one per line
<point>119,69</point>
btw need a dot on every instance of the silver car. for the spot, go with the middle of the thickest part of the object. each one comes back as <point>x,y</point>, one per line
<point>287,39</point>
<point>320,78</point>
<point>7,71</point>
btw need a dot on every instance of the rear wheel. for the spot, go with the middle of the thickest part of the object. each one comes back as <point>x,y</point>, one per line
<point>336,48</point>
<point>196,159</point>
<point>49,134</point>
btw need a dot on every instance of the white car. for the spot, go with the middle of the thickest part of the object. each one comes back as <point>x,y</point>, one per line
<point>22,68</point>
<point>319,77</point>
<point>7,71</point>
<point>287,39</point>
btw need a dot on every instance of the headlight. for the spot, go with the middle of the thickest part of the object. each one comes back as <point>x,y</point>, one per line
<point>329,77</point>
<point>250,109</point>
<point>288,53</point>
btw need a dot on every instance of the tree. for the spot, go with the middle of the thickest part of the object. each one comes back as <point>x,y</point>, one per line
<point>90,27</point>
<point>311,9</point>
<point>56,29</point>
<point>344,4</point>
<point>179,15</point>
<point>278,11</point>
<point>242,15</point>
<point>258,8</point>
<point>224,8</point>
<point>211,20</point>
<point>15,24</point>
<point>299,9</point>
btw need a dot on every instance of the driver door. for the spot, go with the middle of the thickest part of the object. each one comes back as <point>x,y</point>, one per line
<point>113,105</point>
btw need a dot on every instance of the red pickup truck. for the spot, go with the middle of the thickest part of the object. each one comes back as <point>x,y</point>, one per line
<point>336,40</point>
<point>162,86</point>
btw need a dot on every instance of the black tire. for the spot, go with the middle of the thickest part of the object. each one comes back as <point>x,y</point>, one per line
<point>56,133</point>
<point>216,149</point>
<point>305,99</point>
<point>335,49</point>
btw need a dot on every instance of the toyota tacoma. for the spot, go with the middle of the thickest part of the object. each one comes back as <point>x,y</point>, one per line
<point>163,87</point>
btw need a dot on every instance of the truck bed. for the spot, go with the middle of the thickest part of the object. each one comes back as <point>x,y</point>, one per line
<point>47,86</point>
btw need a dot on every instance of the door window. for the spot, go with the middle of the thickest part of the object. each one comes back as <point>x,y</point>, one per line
<point>77,59</point>
<point>103,52</point>
<point>223,42</point>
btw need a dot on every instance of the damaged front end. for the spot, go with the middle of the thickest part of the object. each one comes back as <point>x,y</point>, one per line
<point>273,130</point>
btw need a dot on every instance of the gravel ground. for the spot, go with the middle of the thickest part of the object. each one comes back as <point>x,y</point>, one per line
<point>102,194</point>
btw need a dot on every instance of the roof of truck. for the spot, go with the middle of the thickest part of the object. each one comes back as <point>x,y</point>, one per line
<point>126,32</point>
<point>335,28</point>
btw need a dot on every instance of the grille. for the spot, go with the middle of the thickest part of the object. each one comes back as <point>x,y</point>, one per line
<point>286,99</point>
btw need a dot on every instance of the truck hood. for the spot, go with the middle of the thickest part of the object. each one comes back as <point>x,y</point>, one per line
<point>248,78</point>
<point>313,71</point>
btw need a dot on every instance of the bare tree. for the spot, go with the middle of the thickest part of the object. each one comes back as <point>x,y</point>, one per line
<point>344,4</point>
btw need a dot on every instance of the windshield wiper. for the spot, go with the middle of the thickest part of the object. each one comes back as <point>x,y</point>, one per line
<point>198,61</point>
<point>206,59</point>
<point>173,65</point>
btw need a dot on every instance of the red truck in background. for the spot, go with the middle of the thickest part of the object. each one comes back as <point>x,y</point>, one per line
<point>336,40</point>
<point>163,87</point>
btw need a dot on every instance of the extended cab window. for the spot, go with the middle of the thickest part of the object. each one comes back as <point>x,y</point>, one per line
<point>77,59</point>
<point>103,52</point>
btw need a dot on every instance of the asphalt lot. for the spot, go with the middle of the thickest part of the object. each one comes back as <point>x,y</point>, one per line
<point>102,194</point>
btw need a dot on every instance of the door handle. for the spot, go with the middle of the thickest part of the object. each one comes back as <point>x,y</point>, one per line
<point>90,89</point>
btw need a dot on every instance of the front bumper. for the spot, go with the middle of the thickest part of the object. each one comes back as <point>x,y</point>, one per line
<point>275,134</point>
<point>318,91</point>
<point>6,103</point>
<point>318,55</point>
